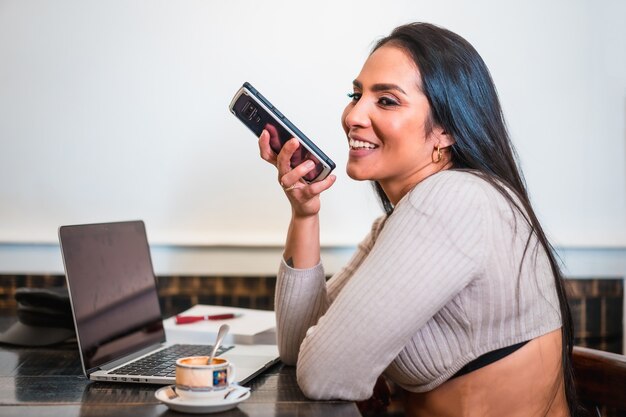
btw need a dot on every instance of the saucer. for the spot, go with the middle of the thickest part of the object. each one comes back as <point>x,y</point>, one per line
<point>213,405</point>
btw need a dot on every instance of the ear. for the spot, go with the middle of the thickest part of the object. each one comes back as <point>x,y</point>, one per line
<point>442,138</point>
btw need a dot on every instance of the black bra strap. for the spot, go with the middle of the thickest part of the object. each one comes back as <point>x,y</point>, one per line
<point>488,358</point>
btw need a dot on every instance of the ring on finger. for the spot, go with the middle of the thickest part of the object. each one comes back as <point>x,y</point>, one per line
<point>291,187</point>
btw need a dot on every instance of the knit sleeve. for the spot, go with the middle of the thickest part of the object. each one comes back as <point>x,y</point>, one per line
<point>299,301</point>
<point>427,252</point>
<point>302,297</point>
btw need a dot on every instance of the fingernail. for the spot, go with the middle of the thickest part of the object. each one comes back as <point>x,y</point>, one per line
<point>309,164</point>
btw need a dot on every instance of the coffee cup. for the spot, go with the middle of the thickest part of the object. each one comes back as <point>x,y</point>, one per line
<point>198,380</point>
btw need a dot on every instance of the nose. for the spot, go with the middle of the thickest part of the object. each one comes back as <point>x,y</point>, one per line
<point>356,115</point>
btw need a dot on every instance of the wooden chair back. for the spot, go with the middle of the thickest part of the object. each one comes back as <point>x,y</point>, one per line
<point>600,378</point>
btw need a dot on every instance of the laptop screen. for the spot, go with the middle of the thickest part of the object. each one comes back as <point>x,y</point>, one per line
<point>113,290</point>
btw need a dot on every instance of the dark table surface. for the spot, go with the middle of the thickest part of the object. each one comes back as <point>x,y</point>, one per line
<point>49,382</point>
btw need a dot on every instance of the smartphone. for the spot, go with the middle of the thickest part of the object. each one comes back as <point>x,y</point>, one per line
<point>256,112</point>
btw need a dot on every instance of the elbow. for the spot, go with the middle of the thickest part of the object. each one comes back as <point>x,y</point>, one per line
<point>331,384</point>
<point>311,392</point>
<point>314,389</point>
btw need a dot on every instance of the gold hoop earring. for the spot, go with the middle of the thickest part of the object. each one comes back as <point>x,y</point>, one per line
<point>438,155</point>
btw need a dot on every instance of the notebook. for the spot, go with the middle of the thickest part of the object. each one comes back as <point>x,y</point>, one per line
<point>116,311</point>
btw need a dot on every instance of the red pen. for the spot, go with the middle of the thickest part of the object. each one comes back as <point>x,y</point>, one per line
<point>193,319</point>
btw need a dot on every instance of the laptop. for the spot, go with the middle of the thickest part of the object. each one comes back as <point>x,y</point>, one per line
<point>116,311</point>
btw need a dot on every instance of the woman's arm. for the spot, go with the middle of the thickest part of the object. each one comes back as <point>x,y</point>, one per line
<point>302,297</point>
<point>301,288</point>
<point>302,247</point>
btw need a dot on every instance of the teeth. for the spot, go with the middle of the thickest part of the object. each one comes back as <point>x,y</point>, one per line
<point>358,144</point>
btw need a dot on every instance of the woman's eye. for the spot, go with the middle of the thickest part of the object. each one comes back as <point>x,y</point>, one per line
<point>386,101</point>
<point>354,96</point>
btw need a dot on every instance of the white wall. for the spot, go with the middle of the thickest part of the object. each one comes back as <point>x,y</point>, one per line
<point>114,110</point>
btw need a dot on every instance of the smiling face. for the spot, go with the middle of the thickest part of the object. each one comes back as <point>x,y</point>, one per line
<point>386,124</point>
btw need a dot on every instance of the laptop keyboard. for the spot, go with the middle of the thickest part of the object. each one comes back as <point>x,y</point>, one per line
<point>163,362</point>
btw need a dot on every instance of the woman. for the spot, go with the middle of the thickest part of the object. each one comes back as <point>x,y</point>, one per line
<point>455,294</point>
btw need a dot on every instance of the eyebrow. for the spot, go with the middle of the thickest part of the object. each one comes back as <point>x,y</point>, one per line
<point>380,87</point>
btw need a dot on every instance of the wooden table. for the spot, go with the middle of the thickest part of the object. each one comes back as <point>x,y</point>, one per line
<point>49,382</point>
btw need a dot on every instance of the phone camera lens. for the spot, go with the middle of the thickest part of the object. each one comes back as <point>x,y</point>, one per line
<point>249,111</point>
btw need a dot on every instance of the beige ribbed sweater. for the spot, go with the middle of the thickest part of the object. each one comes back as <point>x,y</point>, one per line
<point>431,288</point>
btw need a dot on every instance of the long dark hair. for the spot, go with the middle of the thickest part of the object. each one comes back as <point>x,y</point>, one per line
<point>464,103</point>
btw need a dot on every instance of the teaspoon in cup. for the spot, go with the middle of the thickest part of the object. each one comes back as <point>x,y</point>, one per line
<point>224,328</point>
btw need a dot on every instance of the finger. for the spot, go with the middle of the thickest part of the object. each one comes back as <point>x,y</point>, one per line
<point>264,148</point>
<point>321,186</point>
<point>296,174</point>
<point>274,137</point>
<point>283,161</point>
<point>309,191</point>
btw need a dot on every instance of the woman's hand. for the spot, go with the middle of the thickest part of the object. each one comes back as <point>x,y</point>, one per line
<point>304,198</point>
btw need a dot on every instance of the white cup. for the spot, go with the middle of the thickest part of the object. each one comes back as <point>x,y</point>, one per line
<point>197,380</point>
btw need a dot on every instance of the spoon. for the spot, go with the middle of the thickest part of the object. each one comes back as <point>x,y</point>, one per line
<point>236,393</point>
<point>170,393</point>
<point>224,328</point>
